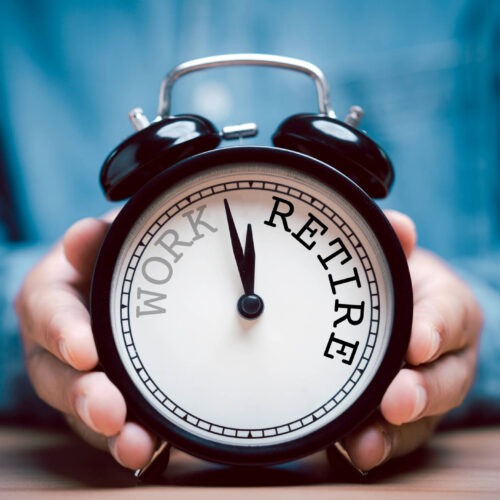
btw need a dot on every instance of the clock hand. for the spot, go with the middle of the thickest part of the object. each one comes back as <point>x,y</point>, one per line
<point>249,262</point>
<point>249,305</point>
<point>235,243</point>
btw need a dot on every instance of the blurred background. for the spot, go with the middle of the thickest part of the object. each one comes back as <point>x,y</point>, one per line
<point>426,73</point>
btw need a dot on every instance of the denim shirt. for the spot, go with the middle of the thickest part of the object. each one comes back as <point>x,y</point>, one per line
<point>425,74</point>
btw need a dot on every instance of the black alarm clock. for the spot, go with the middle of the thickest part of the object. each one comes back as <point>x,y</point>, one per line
<point>252,304</point>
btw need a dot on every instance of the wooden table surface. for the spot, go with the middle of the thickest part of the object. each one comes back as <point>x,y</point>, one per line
<point>53,464</point>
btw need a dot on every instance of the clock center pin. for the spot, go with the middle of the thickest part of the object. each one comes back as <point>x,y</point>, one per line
<point>250,306</point>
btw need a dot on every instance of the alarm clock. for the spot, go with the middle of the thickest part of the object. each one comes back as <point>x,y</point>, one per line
<point>252,304</point>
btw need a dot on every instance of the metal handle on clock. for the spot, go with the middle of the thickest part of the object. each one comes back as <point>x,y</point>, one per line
<point>246,60</point>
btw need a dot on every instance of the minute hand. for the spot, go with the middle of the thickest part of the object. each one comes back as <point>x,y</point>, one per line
<point>245,262</point>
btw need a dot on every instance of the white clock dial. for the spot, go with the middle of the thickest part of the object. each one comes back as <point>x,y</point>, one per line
<point>326,323</point>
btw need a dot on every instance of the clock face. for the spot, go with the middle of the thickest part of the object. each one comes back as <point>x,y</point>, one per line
<point>306,361</point>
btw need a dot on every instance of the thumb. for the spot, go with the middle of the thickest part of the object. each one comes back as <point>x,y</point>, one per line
<point>82,242</point>
<point>404,228</point>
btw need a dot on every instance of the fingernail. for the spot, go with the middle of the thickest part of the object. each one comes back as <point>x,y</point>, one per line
<point>82,409</point>
<point>63,351</point>
<point>387,445</point>
<point>420,402</point>
<point>435,343</point>
<point>113,448</point>
<point>359,447</point>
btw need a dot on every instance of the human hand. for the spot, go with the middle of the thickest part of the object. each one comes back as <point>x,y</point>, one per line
<point>60,353</point>
<point>441,359</point>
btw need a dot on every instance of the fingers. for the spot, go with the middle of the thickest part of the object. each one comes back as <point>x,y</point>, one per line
<point>446,316</point>
<point>442,355</point>
<point>89,396</point>
<point>133,446</point>
<point>442,348</point>
<point>430,389</point>
<point>52,304</point>
<point>54,317</point>
<point>378,441</point>
<point>404,228</point>
<point>60,349</point>
<point>440,325</point>
<point>411,408</point>
<point>94,406</point>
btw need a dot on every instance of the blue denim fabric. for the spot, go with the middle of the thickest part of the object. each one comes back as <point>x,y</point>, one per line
<point>426,74</point>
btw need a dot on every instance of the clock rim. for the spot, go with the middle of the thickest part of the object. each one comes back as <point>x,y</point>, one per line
<point>138,407</point>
